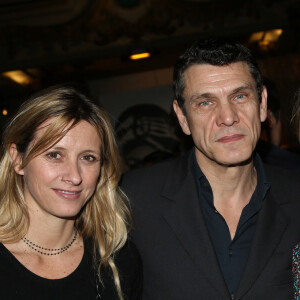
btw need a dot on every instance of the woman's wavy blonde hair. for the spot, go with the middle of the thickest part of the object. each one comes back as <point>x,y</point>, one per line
<point>105,219</point>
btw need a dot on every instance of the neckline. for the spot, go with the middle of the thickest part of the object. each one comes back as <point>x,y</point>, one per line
<point>22,268</point>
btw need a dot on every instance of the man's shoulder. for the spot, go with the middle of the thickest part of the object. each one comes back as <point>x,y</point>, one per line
<point>283,182</point>
<point>282,175</point>
<point>155,172</point>
<point>153,169</point>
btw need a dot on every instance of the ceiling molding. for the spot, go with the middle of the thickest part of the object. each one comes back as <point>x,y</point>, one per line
<point>41,32</point>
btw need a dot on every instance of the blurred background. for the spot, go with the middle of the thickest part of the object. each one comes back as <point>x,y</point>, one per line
<point>122,52</point>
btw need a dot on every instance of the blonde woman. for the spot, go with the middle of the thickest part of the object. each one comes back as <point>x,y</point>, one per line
<point>63,220</point>
<point>296,250</point>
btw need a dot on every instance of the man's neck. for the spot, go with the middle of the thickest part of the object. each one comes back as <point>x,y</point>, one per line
<point>232,188</point>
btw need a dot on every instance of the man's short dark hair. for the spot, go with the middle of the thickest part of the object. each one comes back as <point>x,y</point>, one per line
<point>216,52</point>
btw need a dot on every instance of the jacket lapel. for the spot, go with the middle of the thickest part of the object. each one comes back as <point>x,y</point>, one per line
<point>184,216</point>
<point>270,228</point>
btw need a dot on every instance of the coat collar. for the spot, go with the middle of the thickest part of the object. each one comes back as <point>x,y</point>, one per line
<point>184,216</point>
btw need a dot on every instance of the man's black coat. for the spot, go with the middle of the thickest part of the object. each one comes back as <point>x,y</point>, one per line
<point>179,260</point>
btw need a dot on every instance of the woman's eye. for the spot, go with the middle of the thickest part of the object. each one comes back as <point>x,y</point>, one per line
<point>89,157</point>
<point>53,155</point>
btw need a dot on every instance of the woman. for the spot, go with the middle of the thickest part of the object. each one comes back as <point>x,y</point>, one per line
<point>63,221</point>
<point>296,250</point>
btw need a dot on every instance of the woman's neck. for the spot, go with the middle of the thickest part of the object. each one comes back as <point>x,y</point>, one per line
<point>49,231</point>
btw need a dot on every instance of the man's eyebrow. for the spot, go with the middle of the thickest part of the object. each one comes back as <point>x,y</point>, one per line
<point>196,96</point>
<point>242,88</point>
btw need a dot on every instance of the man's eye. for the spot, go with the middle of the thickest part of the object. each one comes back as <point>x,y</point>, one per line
<point>240,96</point>
<point>205,103</point>
<point>53,155</point>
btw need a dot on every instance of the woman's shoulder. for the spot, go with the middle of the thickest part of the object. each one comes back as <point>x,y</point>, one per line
<point>296,270</point>
<point>129,265</point>
<point>6,257</point>
<point>128,256</point>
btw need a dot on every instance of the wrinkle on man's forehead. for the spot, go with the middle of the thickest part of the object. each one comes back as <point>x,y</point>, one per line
<point>215,79</point>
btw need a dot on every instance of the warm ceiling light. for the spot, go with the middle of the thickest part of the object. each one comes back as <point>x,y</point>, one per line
<point>272,35</point>
<point>18,76</point>
<point>140,55</point>
<point>4,112</point>
<point>256,36</point>
<point>265,38</point>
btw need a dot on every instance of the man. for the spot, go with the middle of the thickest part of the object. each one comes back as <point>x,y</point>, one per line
<point>213,224</point>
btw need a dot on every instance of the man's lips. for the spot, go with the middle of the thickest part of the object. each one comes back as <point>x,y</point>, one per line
<point>230,138</point>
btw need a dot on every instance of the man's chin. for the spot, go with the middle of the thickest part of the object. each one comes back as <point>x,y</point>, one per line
<point>236,161</point>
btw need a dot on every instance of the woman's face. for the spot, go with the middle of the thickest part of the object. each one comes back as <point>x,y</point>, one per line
<point>59,181</point>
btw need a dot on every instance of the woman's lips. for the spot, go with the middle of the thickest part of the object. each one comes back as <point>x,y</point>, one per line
<point>230,138</point>
<point>67,194</point>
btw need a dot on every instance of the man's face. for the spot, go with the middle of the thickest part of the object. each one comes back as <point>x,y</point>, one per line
<point>223,113</point>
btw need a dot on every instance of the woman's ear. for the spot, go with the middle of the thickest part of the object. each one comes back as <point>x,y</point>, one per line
<point>16,159</point>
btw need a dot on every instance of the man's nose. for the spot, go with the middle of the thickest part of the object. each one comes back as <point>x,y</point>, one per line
<point>227,114</point>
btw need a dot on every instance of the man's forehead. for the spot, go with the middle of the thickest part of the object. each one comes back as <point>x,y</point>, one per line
<point>205,76</point>
<point>208,69</point>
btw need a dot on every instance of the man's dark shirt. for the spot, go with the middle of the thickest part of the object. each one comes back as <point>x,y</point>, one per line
<point>232,254</point>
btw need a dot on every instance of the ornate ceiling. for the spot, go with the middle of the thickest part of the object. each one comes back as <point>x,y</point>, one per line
<point>96,36</point>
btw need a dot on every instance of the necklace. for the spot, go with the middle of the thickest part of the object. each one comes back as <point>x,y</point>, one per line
<point>51,251</point>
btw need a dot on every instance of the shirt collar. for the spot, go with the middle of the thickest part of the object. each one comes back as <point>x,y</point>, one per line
<point>263,183</point>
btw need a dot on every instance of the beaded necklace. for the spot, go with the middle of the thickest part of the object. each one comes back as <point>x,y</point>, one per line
<point>51,251</point>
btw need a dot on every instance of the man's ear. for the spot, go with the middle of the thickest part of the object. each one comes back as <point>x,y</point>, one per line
<point>16,159</point>
<point>181,118</point>
<point>263,105</point>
